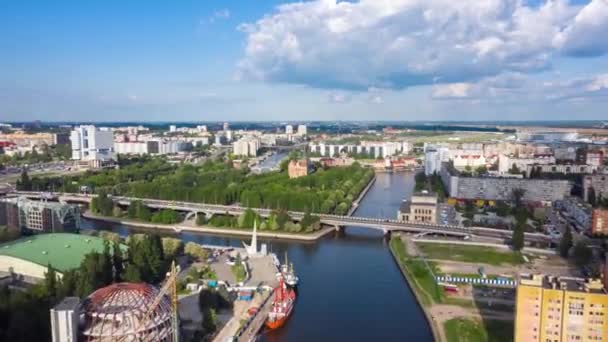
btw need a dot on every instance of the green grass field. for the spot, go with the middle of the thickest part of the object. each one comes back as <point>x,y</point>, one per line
<point>418,272</point>
<point>462,137</point>
<point>474,254</point>
<point>468,330</point>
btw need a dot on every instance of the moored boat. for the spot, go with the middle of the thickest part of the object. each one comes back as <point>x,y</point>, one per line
<point>282,305</point>
<point>288,273</point>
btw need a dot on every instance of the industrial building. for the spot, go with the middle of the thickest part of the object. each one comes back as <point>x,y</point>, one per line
<point>26,215</point>
<point>560,309</point>
<point>30,256</point>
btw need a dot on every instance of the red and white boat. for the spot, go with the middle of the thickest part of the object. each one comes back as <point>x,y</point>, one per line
<point>282,305</point>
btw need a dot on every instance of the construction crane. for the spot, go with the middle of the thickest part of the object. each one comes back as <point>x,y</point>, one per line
<point>169,288</point>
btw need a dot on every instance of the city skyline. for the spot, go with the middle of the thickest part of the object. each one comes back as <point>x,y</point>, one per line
<point>316,60</point>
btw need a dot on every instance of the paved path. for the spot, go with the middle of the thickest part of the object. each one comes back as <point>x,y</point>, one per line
<point>251,331</point>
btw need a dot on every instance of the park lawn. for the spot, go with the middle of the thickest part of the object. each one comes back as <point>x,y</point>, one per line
<point>473,330</point>
<point>418,272</point>
<point>464,330</point>
<point>474,254</point>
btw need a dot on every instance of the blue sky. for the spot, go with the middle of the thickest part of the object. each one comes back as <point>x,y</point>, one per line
<point>315,60</point>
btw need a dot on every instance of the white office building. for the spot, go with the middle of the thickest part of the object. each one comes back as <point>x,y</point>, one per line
<point>289,129</point>
<point>92,144</point>
<point>155,146</point>
<point>302,130</point>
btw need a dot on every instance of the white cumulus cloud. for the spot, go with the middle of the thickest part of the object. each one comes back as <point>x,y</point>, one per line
<point>394,44</point>
<point>586,34</point>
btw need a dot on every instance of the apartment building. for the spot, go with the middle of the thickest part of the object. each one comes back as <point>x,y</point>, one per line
<point>560,309</point>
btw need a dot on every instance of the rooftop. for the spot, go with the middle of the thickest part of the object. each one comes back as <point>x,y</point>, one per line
<point>563,283</point>
<point>61,250</point>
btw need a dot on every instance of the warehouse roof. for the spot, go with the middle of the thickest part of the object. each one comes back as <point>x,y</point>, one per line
<point>61,250</point>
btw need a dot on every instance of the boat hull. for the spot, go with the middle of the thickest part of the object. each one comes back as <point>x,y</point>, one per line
<point>276,323</point>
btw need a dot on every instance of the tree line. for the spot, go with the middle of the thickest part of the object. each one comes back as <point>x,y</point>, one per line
<point>324,191</point>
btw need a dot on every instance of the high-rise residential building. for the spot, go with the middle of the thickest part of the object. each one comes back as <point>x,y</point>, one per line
<point>246,147</point>
<point>202,128</point>
<point>560,309</point>
<point>289,129</point>
<point>226,126</point>
<point>302,130</point>
<point>595,184</point>
<point>172,128</point>
<point>92,144</point>
<point>228,135</point>
<point>595,158</point>
<point>433,158</point>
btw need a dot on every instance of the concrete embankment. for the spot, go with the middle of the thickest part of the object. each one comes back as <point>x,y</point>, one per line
<point>431,322</point>
<point>212,230</point>
<point>356,202</point>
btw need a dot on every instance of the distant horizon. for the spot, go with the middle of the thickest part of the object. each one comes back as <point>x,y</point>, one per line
<point>307,121</point>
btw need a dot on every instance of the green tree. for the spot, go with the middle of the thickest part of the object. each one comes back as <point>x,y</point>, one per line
<point>69,283</point>
<point>209,323</point>
<point>50,282</point>
<point>591,196</point>
<point>106,264</point>
<point>517,240</point>
<point>117,261</point>
<point>565,243</point>
<point>582,253</point>
<point>517,195</point>
<point>132,274</point>
<point>481,170</point>
<point>24,183</point>
<point>514,169</point>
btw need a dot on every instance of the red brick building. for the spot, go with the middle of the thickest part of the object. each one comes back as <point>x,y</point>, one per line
<point>298,168</point>
<point>599,222</point>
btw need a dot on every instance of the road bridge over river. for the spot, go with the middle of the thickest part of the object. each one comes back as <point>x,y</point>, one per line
<point>385,225</point>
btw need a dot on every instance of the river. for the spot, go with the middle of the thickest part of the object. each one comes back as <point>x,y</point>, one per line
<point>350,287</point>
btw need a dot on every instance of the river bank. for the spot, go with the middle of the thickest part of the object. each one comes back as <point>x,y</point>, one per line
<point>422,302</point>
<point>177,228</point>
<point>356,202</point>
